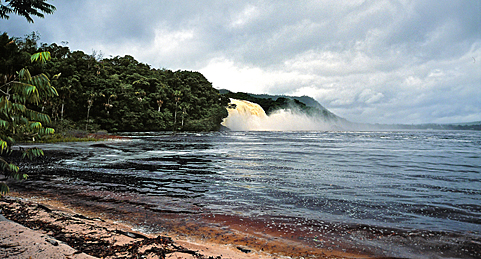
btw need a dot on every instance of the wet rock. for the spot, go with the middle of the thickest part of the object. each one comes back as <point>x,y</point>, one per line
<point>244,250</point>
<point>52,241</point>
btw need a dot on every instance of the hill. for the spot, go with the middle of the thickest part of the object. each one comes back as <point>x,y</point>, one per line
<point>308,105</point>
<point>309,101</point>
<point>271,103</point>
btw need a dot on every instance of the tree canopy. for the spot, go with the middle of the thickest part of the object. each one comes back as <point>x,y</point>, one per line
<point>118,93</point>
<point>25,8</point>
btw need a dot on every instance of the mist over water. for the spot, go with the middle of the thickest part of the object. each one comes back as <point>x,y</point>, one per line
<point>248,116</point>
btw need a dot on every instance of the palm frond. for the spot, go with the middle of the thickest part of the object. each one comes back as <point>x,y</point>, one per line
<point>4,188</point>
<point>3,124</point>
<point>33,152</point>
<point>3,145</point>
<point>46,131</point>
<point>41,57</point>
<point>35,125</point>
<point>7,167</point>
<point>24,74</point>
<point>37,116</point>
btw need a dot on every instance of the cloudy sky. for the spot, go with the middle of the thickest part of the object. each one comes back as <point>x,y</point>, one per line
<point>397,61</point>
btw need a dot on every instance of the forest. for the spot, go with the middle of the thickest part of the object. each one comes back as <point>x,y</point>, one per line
<point>114,94</point>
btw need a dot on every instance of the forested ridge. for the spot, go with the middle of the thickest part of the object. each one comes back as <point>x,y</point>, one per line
<point>116,93</point>
<point>272,103</point>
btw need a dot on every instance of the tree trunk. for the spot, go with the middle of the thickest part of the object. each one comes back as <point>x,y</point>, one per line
<point>175,115</point>
<point>61,112</point>
<point>88,113</point>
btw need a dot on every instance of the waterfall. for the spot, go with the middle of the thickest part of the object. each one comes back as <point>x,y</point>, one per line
<point>248,116</point>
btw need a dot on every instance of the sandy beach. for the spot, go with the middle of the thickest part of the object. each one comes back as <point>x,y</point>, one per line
<point>33,227</point>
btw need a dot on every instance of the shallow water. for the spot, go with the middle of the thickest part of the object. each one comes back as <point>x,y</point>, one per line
<point>401,194</point>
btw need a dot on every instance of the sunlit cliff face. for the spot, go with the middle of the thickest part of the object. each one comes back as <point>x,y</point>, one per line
<point>248,116</point>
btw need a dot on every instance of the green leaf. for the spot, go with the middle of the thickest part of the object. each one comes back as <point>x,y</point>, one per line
<point>37,116</point>
<point>23,120</point>
<point>41,57</point>
<point>33,152</point>
<point>4,188</point>
<point>12,168</point>
<point>3,124</point>
<point>35,125</point>
<point>18,107</point>
<point>18,176</point>
<point>46,131</point>
<point>3,102</point>
<point>30,89</point>
<point>7,167</point>
<point>3,145</point>
<point>24,74</point>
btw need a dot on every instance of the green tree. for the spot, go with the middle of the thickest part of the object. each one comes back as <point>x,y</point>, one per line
<point>177,98</point>
<point>25,8</point>
<point>90,103</point>
<point>17,120</point>
<point>129,95</point>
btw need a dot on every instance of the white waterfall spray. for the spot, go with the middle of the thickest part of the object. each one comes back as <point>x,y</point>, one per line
<point>248,116</point>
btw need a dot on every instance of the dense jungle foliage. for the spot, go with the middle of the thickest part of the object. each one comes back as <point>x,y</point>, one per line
<point>117,93</point>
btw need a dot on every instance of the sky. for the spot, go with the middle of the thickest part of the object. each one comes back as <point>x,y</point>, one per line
<point>397,61</point>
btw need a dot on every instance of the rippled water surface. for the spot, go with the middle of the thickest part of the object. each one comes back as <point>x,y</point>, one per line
<point>419,180</point>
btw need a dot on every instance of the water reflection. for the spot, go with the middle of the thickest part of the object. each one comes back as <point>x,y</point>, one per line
<point>420,181</point>
<point>155,165</point>
<point>397,178</point>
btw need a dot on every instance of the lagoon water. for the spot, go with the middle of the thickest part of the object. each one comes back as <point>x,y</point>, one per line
<point>420,191</point>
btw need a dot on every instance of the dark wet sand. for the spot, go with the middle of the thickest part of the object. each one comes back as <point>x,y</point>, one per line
<point>272,236</point>
<point>246,235</point>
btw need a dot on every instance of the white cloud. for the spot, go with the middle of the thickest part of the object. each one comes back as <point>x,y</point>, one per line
<point>408,61</point>
<point>226,74</point>
<point>167,41</point>
<point>248,15</point>
<point>369,96</point>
